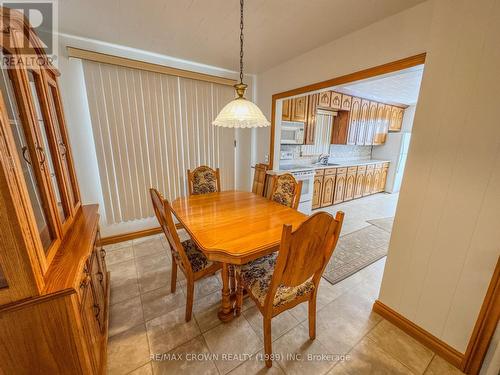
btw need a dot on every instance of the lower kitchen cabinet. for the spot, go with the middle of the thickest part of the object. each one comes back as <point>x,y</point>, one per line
<point>318,183</point>
<point>340,185</point>
<point>336,185</point>
<point>328,189</point>
<point>350,184</point>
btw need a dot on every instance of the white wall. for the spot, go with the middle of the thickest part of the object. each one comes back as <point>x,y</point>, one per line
<point>446,238</point>
<point>396,37</point>
<point>76,107</point>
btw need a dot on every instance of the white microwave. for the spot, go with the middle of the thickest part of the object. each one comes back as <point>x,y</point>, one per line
<point>292,133</point>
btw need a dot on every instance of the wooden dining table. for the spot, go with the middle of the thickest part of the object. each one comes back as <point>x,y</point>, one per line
<point>234,227</point>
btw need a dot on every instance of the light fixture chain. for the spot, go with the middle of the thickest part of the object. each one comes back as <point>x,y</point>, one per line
<point>241,41</point>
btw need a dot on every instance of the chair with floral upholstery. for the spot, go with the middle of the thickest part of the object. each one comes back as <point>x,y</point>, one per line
<point>203,180</point>
<point>186,255</point>
<point>286,190</point>
<point>278,282</point>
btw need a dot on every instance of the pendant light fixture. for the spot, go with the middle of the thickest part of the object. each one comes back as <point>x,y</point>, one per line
<point>240,112</point>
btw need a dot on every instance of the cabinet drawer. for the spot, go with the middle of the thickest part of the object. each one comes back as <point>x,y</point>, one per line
<point>341,170</point>
<point>319,172</point>
<point>352,170</point>
<point>330,171</point>
<point>370,167</point>
<point>378,166</point>
<point>361,168</point>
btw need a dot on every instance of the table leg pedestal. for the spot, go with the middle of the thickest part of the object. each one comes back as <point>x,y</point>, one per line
<point>226,312</point>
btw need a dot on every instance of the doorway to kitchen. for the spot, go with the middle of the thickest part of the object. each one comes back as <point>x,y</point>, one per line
<point>349,140</point>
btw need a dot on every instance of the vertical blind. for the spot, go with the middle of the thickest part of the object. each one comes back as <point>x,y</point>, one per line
<point>149,128</point>
<point>323,133</point>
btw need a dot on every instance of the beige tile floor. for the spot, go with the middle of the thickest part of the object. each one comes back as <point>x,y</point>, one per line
<point>147,320</point>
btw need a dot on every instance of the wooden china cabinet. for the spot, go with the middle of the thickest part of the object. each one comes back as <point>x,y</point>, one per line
<point>54,289</point>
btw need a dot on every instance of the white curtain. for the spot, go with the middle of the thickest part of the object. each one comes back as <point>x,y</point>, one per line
<point>149,128</point>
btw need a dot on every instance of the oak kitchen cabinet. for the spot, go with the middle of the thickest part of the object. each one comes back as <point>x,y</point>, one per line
<point>295,109</point>
<point>341,184</point>
<point>396,122</point>
<point>310,126</point>
<point>360,178</point>
<point>54,285</point>
<point>328,188</point>
<point>325,99</point>
<point>353,123</point>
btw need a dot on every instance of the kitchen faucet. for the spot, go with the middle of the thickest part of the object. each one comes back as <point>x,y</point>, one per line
<point>323,159</point>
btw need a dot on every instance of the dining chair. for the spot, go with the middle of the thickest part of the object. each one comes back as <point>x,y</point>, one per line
<point>185,255</point>
<point>203,180</point>
<point>278,282</point>
<point>286,190</point>
<point>259,178</point>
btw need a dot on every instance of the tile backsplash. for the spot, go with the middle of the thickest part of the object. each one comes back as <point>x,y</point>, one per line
<point>338,153</point>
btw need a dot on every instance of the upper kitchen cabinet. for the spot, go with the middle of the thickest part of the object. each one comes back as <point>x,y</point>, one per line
<point>336,100</point>
<point>325,99</point>
<point>381,124</point>
<point>371,124</point>
<point>363,122</point>
<point>396,119</point>
<point>295,109</point>
<point>286,112</point>
<point>354,118</point>
<point>346,102</point>
<point>310,128</point>
<point>299,108</point>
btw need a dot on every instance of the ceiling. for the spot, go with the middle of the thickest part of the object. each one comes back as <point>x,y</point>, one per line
<point>401,87</point>
<point>206,31</point>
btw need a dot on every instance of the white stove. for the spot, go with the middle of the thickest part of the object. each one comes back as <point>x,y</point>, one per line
<point>306,175</point>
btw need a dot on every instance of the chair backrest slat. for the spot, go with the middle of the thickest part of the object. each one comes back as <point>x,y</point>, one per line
<point>163,213</point>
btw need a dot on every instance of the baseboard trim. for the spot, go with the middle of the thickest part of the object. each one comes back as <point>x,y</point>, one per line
<point>133,235</point>
<point>439,347</point>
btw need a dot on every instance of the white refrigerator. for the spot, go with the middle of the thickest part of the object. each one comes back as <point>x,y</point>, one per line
<point>395,150</point>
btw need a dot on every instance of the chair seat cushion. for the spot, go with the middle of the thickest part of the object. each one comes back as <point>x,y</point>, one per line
<point>256,276</point>
<point>197,259</point>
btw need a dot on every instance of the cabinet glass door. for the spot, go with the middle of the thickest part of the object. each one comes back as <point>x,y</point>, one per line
<point>61,139</point>
<point>40,208</point>
<point>56,179</point>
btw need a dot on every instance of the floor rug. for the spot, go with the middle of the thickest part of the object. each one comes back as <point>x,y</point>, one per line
<point>355,251</point>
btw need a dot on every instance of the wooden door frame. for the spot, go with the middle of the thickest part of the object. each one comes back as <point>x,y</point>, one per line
<point>390,67</point>
<point>471,361</point>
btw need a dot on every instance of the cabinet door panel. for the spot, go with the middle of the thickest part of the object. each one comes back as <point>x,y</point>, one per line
<point>286,113</point>
<point>318,183</point>
<point>346,102</point>
<point>371,124</point>
<point>367,182</point>
<point>325,99</point>
<point>328,191</point>
<point>376,181</point>
<point>299,109</point>
<point>310,128</point>
<point>49,148</point>
<point>28,153</point>
<point>363,122</point>
<point>336,100</point>
<point>358,188</point>
<point>339,188</point>
<point>354,121</point>
<point>62,142</point>
<point>349,186</point>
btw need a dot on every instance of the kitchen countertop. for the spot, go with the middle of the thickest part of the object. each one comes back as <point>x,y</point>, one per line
<point>343,164</point>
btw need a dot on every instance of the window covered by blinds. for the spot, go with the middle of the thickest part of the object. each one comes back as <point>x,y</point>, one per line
<point>149,128</point>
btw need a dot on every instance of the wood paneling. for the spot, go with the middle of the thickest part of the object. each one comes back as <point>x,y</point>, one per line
<point>340,128</point>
